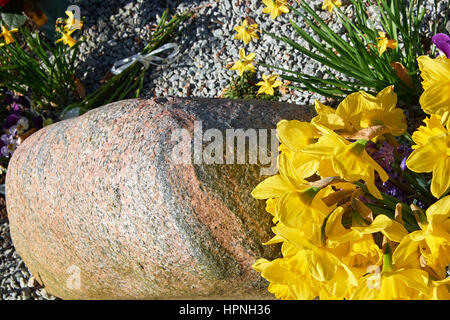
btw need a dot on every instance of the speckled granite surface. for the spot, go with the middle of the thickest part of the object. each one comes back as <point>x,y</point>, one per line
<point>99,194</point>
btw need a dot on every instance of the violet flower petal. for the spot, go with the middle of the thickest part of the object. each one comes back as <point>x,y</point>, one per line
<point>442,42</point>
<point>439,37</point>
<point>444,47</point>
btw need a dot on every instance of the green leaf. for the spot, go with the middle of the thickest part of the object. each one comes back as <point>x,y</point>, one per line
<point>13,20</point>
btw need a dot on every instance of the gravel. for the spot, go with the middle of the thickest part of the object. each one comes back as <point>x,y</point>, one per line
<point>121,29</point>
<point>16,281</point>
<point>117,29</point>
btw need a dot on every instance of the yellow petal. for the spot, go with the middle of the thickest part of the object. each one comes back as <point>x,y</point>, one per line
<point>423,159</point>
<point>441,177</point>
<point>305,165</point>
<point>321,267</point>
<point>407,253</point>
<point>272,187</point>
<point>433,70</point>
<point>436,98</point>
<point>433,127</point>
<point>393,230</point>
<point>439,211</point>
<point>296,135</point>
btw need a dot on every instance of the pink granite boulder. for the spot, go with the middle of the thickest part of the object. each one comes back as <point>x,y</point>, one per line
<point>98,209</point>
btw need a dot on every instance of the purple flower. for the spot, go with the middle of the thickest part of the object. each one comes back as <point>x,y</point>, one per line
<point>15,106</point>
<point>442,42</point>
<point>11,121</point>
<point>405,151</point>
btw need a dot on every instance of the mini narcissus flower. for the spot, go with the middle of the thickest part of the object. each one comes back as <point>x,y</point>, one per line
<point>268,84</point>
<point>275,7</point>
<point>330,4</point>
<point>67,39</point>
<point>244,63</point>
<point>384,43</point>
<point>7,35</point>
<point>246,32</point>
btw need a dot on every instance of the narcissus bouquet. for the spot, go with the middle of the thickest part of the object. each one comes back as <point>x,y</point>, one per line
<point>361,207</point>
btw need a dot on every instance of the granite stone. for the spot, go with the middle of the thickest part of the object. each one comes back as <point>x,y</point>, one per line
<point>99,210</point>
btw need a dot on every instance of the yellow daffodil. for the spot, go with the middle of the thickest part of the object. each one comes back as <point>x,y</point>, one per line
<point>349,161</point>
<point>429,247</point>
<point>401,284</point>
<point>393,282</point>
<point>361,110</point>
<point>275,7</point>
<point>294,137</point>
<point>297,202</point>
<point>6,34</point>
<point>67,39</point>
<point>440,290</point>
<point>268,84</point>
<point>72,23</point>
<point>330,4</point>
<point>289,276</point>
<point>436,83</point>
<point>244,63</point>
<point>384,43</point>
<point>432,154</point>
<point>323,263</point>
<point>246,32</point>
<point>363,252</point>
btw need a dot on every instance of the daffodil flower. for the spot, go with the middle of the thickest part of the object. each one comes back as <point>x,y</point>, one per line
<point>294,136</point>
<point>361,110</point>
<point>6,34</point>
<point>275,7</point>
<point>330,4</point>
<point>246,32</point>
<point>384,43</point>
<point>432,154</point>
<point>436,84</point>
<point>268,84</point>
<point>67,39</point>
<point>289,276</point>
<point>244,63</point>
<point>428,248</point>
<point>347,160</point>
